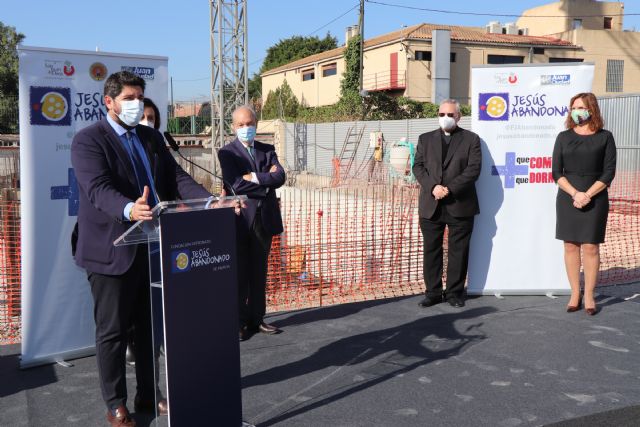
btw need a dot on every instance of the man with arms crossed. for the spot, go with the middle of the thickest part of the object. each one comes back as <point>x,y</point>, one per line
<point>252,168</point>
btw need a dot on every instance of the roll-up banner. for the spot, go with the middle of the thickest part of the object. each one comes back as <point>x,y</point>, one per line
<point>518,110</point>
<point>61,92</point>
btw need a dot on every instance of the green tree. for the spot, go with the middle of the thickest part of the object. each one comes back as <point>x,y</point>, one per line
<point>255,87</point>
<point>296,47</point>
<point>281,103</point>
<point>9,40</point>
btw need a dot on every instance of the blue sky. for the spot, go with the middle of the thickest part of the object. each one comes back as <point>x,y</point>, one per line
<point>180,29</point>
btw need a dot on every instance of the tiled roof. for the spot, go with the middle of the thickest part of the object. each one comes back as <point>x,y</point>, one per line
<point>423,32</point>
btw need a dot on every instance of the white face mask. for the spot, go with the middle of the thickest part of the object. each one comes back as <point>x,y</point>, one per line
<point>149,123</point>
<point>131,112</point>
<point>447,123</point>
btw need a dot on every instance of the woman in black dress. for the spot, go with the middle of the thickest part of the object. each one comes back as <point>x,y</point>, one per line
<point>584,164</point>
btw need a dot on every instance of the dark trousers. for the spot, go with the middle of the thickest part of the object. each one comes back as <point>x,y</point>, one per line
<point>458,252</point>
<point>253,254</point>
<point>120,302</point>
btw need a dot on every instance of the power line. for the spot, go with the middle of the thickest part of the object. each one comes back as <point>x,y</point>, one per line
<point>318,29</point>
<point>192,80</point>
<point>502,15</point>
<point>334,20</point>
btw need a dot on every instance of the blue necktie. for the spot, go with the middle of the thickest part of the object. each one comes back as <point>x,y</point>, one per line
<point>141,171</point>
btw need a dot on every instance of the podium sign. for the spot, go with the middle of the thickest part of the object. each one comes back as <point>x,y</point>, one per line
<point>202,352</point>
<point>194,303</point>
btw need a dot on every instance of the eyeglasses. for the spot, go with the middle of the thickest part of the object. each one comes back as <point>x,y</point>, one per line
<point>446,114</point>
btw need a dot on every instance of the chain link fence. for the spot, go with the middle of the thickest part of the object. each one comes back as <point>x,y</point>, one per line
<point>189,118</point>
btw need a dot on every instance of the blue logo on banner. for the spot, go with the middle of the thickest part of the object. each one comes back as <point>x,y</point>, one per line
<point>555,79</point>
<point>146,73</point>
<point>180,261</point>
<point>510,170</point>
<point>69,192</point>
<point>493,106</point>
<point>50,106</point>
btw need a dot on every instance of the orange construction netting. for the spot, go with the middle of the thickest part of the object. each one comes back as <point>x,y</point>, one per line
<point>9,269</point>
<point>357,241</point>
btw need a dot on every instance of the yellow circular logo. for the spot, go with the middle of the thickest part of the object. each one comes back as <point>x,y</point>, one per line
<point>496,106</point>
<point>182,261</point>
<point>53,106</point>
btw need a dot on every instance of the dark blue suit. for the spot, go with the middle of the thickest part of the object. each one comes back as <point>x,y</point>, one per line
<point>258,223</point>
<point>119,276</point>
<point>107,183</point>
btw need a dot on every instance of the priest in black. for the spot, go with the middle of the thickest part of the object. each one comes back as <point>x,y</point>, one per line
<point>447,164</point>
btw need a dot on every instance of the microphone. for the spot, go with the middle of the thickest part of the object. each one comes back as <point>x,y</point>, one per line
<point>174,146</point>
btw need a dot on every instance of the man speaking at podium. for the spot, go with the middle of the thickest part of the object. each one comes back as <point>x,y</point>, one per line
<point>123,169</point>
<point>252,169</point>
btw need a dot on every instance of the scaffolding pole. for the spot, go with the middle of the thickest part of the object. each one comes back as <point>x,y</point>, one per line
<point>229,81</point>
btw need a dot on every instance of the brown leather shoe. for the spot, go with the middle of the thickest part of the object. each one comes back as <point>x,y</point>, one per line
<point>147,405</point>
<point>120,417</point>
<point>265,328</point>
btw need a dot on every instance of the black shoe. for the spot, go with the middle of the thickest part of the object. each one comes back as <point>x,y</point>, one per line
<point>149,405</point>
<point>428,301</point>
<point>265,328</point>
<point>131,357</point>
<point>246,333</point>
<point>455,302</point>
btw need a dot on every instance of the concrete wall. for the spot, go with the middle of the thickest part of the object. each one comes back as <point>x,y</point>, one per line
<point>598,46</point>
<point>565,10</point>
<point>377,66</point>
<point>319,91</point>
<point>413,75</point>
<point>419,72</point>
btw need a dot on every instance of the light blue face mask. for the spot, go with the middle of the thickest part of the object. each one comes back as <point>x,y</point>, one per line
<point>580,116</point>
<point>131,112</point>
<point>246,134</point>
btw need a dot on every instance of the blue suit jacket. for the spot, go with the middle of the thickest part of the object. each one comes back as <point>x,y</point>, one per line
<point>236,162</point>
<point>107,182</point>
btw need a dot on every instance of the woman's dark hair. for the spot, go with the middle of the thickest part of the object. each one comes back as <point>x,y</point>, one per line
<point>115,82</point>
<point>590,103</point>
<point>149,103</point>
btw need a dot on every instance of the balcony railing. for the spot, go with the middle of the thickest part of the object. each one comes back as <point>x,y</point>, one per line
<point>385,80</point>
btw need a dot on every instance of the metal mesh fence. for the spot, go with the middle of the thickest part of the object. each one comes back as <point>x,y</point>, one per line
<point>361,240</point>
<point>620,253</point>
<point>345,244</point>
<point>190,125</point>
<point>356,241</point>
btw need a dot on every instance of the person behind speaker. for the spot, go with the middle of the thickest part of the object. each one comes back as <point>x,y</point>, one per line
<point>150,114</point>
